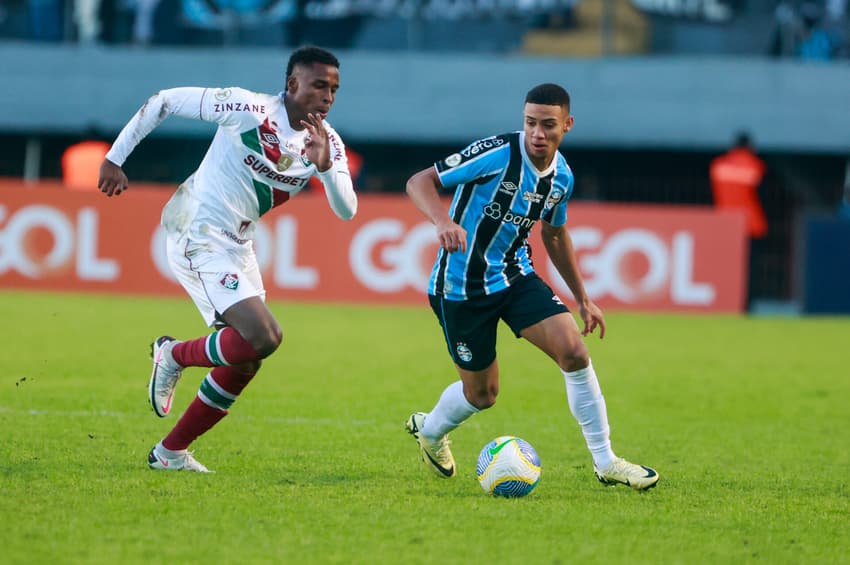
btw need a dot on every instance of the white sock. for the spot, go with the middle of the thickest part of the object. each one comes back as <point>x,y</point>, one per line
<point>588,406</point>
<point>164,451</point>
<point>451,411</point>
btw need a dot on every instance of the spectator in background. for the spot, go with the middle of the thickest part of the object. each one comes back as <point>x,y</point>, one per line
<point>815,42</point>
<point>81,162</point>
<point>87,18</point>
<point>45,19</point>
<point>735,180</point>
<point>143,31</point>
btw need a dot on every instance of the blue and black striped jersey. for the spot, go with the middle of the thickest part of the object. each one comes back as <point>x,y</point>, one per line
<point>498,197</point>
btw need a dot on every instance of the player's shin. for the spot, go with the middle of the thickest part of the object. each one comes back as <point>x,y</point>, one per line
<point>217,393</point>
<point>588,407</point>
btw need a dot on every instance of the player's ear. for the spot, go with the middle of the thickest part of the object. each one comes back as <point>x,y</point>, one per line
<point>568,124</point>
<point>291,84</point>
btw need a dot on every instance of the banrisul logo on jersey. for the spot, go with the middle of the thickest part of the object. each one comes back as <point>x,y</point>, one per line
<point>494,210</point>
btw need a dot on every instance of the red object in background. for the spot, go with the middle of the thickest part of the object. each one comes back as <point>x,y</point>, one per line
<point>669,258</point>
<point>735,179</point>
<point>355,166</point>
<point>81,164</point>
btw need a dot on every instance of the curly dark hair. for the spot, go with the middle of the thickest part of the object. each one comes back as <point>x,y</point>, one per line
<point>309,54</point>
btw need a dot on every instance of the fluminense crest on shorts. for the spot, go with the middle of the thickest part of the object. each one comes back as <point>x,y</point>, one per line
<point>230,281</point>
<point>463,352</point>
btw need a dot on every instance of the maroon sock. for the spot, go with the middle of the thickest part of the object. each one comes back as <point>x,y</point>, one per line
<point>222,347</point>
<point>197,419</point>
<point>231,379</point>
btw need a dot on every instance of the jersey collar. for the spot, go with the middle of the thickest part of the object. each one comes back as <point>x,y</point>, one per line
<point>528,161</point>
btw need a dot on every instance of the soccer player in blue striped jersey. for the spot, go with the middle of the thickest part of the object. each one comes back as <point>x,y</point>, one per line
<point>503,186</point>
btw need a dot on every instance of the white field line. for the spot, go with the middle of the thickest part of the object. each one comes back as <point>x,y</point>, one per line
<point>291,420</point>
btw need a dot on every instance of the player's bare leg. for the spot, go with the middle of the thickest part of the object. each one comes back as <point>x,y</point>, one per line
<point>475,391</point>
<point>234,352</point>
<point>558,336</point>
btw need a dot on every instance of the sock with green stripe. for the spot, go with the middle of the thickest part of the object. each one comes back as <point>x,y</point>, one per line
<point>218,392</point>
<point>222,347</point>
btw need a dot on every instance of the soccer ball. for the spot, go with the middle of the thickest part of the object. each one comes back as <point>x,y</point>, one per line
<point>508,466</point>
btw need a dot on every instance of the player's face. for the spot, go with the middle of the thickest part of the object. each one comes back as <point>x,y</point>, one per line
<point>545,127</point>
<point>313,88</point>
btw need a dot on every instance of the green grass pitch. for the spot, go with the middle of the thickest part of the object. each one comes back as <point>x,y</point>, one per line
<point>746,419</point>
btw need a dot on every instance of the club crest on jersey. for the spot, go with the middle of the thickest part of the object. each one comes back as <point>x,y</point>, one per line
<point>554,197</point>
<point>285,161</point>
<point>223,94</point>
<point>453,160</point>
<point>463,352</point>
<point>230,281</point>
<point>304,160</point>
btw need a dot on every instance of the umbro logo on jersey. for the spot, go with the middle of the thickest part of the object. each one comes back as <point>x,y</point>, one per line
<point>508,185</point>
<point>270,138</point>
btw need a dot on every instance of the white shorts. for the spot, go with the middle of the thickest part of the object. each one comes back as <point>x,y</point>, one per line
<point>217,274</point>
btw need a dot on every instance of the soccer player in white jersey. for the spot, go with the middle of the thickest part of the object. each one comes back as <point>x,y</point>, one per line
<point>264,151</point>
<point>503,185</point>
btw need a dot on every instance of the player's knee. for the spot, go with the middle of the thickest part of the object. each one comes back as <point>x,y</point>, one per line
<point>249,367</point>
<point>266,342</point>
<point>483,397</point>
<point>574,358</point>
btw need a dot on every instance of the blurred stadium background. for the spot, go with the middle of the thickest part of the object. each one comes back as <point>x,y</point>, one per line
<point>660,87</point>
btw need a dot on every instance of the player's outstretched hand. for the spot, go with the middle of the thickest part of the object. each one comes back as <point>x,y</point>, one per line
<point>316,145</point>
<point>112,179</point>
<point>592,317</point>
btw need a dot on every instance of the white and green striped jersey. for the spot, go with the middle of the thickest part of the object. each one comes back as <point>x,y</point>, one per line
<point>255,162</point>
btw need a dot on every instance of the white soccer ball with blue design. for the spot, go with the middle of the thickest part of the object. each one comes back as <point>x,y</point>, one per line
<point>508,466</point>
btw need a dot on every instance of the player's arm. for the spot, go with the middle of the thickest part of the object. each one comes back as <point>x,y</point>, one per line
<point>423,189</point>
<point>186,102</point>
<point>325,149</point>
<point>559,247</point>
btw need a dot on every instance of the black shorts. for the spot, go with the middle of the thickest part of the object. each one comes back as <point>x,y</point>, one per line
<point>469,326</point>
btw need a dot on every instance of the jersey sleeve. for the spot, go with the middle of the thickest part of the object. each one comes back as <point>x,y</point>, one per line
<point>235,107</point>
<point>224,106</point>
<point>339,160</point>
<point>339,187</point>
<point>481,158</point>
<point>555,209</point>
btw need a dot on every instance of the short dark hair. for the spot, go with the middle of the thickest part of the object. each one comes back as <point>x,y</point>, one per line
<point>309,54</point>
<point>548,94</point>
